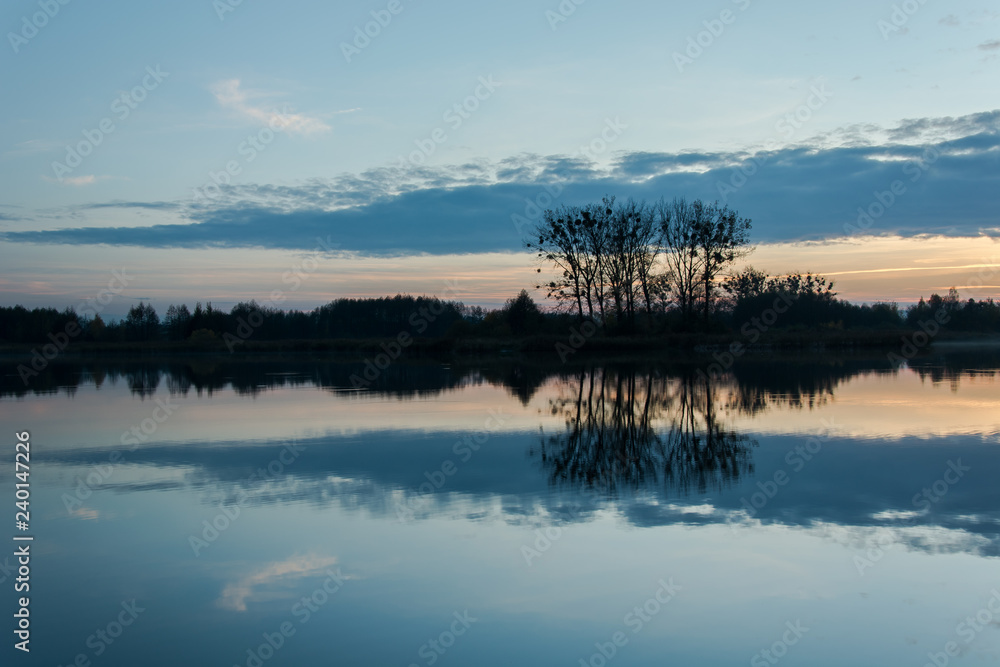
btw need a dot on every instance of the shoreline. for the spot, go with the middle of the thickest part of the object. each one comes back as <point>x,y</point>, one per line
<point>570,345</point>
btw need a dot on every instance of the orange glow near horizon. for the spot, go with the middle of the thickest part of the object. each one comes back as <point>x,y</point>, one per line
<point>892,268</point>
<point>864,269</point>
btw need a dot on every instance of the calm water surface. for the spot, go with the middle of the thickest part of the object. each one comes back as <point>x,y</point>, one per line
<point>826,511</point>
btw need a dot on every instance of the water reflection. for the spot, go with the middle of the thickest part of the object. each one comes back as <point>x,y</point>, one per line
<point>631,428</point>
<point>650,439</point>
<point>803,380</point>
<point>629,471</point>
<point>210,374</point>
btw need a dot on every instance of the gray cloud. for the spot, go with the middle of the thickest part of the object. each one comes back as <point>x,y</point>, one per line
<point>154,206</point>
<point>949,167</point>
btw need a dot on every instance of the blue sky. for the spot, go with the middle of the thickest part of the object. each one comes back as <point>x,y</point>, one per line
<point>411,152</point>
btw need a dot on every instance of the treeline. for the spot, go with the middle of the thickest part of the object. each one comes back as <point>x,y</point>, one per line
<point>749,303</point>
<point>386,317</point>
<point>814,305</point>
<point>800,301</point>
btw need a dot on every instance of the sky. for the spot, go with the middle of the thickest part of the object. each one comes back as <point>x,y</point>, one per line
<point>226,150</point>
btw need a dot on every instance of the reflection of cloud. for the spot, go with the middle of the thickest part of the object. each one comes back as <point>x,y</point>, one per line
<point>895,515</point>
<point>85,514</point>
<point>234,596</point>
<point>373,473</point>
<point>930,539</point>
<point>229,95</point>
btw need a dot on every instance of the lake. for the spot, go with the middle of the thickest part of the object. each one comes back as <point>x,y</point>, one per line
<point>808,510</point>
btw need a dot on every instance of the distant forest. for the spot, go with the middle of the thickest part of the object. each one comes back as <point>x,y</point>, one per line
<point>811,305</point>
<point>624,268</point>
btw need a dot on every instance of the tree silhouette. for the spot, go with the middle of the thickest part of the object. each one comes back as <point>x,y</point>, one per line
<point>142,323</point>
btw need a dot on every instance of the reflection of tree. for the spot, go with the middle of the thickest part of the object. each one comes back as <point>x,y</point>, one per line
<point>244,376</point>
<point>981,363</point>
<point>795,383</point>
<point>752,385</point>
<point>630,428</point>
<point>143,380</point>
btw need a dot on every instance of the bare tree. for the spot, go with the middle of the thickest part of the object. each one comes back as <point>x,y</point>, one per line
<point>603,252</point>
<point>607,254</point>
<point>594,229</point>
<point>635,248</point>
<point>721,237</point>
<point>676,222</point>
<point>558,239</point>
